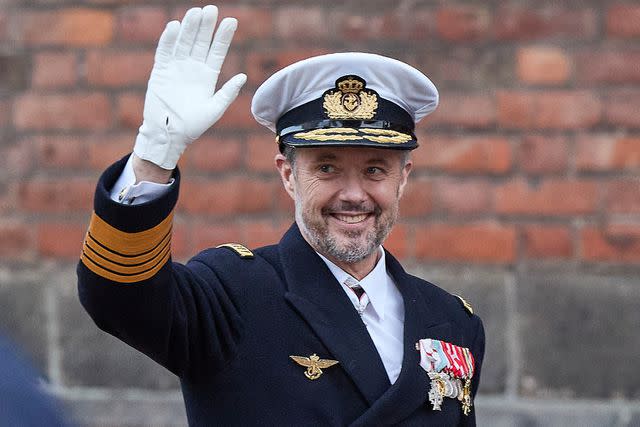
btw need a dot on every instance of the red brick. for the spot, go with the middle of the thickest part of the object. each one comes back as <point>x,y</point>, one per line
<point>180,248</point>
<point>262,233</point>
<point>403,24</point>
<point>623,20</point>
<point>211,234</point>
<point>463,23</point>
<point>64,111</point>
<point>301,23</point>
<point>525,22</point>
<point>62,195</point>
<point>5,112</point>
<point>261,151</point>
<point>476,242</point>
<point>238,115</point>
<point>116,69</point>
<point>463,197</point>
<point>541,154</point>
<point>63,152</point>
<point>466,110</point>
<point>553,197</point>
<point>464,154</point>
<point>105,150</point>
<point>623,196</point>
<point>548,110</point>
<point>547,241</point>
<point>615,243</point>
<point>260,64</point>
<point>230,196</point>
<point>608,153</point>
<point>3,26</point>
<point>54,70</point>
<point>608,66</point>
<point>17,240</point>
<point>622,108</point>
<point>254,23</point>
<point>16,160</point>
<point>397,241</point>
<point>67,27</point>
<point>129,108</point>
<point>141,23</point>
<point>215,154</point>
<point>61,239</point>
<point>542,65</point>
<point>284,202</point>
<point>417,199</point>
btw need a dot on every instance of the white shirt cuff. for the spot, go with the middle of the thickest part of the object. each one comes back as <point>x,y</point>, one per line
<point>127,192</point>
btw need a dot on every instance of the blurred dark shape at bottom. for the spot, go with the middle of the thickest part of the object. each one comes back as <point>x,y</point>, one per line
<point>23,401</point>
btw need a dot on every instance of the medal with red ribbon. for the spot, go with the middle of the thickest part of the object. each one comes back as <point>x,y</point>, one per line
<point>450,369</point>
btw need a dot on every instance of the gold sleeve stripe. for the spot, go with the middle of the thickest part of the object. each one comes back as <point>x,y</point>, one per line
<point>126,257</point>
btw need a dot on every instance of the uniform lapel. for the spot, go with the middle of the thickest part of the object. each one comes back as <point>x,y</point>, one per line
<point>317,296</point>
<point>421,321</point>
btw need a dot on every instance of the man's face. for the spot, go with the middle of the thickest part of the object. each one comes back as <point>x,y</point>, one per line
<point>346,198</point>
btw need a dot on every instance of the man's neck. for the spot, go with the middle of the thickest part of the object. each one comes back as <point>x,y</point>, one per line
<point>360,269</point>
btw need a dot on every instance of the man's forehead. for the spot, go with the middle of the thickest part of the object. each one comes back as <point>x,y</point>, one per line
<point>348,153</point>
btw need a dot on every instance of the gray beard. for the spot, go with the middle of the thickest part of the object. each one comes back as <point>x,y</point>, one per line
<point>352,252</point>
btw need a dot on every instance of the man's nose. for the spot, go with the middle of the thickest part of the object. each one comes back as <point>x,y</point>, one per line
<point>353,190</point>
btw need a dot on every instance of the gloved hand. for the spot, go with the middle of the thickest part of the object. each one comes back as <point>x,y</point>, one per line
<point>181,101</point>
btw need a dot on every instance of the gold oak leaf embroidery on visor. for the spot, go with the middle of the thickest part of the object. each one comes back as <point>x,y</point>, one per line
<point>126,257</point>
<point>383,136</point>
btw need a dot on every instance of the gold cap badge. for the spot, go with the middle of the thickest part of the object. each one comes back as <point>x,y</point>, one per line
<point>313,364</point>
<point>350,100</point>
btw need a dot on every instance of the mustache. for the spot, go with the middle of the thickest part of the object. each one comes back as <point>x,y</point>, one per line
<point>352,208</point>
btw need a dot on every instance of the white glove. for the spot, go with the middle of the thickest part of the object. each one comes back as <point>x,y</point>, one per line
<point>181,102</point>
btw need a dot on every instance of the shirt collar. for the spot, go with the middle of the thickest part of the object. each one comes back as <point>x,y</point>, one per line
<point>375,284</point>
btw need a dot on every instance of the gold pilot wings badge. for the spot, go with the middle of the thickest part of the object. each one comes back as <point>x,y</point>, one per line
<point>314,365</point>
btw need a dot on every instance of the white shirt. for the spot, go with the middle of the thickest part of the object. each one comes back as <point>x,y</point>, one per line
<point>384,314</point>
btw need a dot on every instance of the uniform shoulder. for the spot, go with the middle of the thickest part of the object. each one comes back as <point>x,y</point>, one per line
<point>454,301</point>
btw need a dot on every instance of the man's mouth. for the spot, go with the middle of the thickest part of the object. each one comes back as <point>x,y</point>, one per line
<point>351,219</point>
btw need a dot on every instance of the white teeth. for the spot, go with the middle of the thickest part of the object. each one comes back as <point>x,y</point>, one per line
<point>351,219</point>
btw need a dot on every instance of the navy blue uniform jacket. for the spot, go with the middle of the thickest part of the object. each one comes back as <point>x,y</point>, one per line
<point>226,325</point>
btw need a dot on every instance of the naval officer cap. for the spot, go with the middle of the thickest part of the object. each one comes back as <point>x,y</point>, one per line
<point>345,99</point>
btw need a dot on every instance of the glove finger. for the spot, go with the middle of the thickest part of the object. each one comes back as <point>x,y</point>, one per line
<point>166,44</point>
<point>219,103</point>
<point>205,33</point>
<point>221,43</point>
<point>188,30</point>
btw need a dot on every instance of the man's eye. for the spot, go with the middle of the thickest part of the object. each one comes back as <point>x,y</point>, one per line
<point>374,170</point>
<point>326,168</point>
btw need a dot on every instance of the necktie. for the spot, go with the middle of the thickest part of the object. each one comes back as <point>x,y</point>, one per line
<point>363,299</point>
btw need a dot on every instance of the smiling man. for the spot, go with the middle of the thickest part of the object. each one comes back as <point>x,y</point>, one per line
<point>324,327</point>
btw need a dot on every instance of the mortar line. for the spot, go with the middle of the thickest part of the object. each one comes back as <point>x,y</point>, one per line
<point>512,338</point>
<point>54,360</point>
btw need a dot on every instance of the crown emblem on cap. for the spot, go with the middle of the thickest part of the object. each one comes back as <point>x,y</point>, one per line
<point>350,100</point>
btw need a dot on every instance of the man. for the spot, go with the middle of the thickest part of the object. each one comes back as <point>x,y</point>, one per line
<point>324,328</point>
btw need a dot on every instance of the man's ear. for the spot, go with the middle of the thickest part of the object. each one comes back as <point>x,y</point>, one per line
<point>286,174</point>
<point>406,170</point>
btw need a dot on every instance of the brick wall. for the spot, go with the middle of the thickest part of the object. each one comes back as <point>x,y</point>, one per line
<point>525,194</point>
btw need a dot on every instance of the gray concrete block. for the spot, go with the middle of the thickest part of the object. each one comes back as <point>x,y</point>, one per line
<point>139,411</point>
<point>485,291</point>
<point>579,335</point>
<point>22,313</point>
<point>90,357</point>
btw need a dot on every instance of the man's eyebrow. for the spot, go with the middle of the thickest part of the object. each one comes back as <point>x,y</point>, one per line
<point>325,157</point>
<point>378,160</point>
